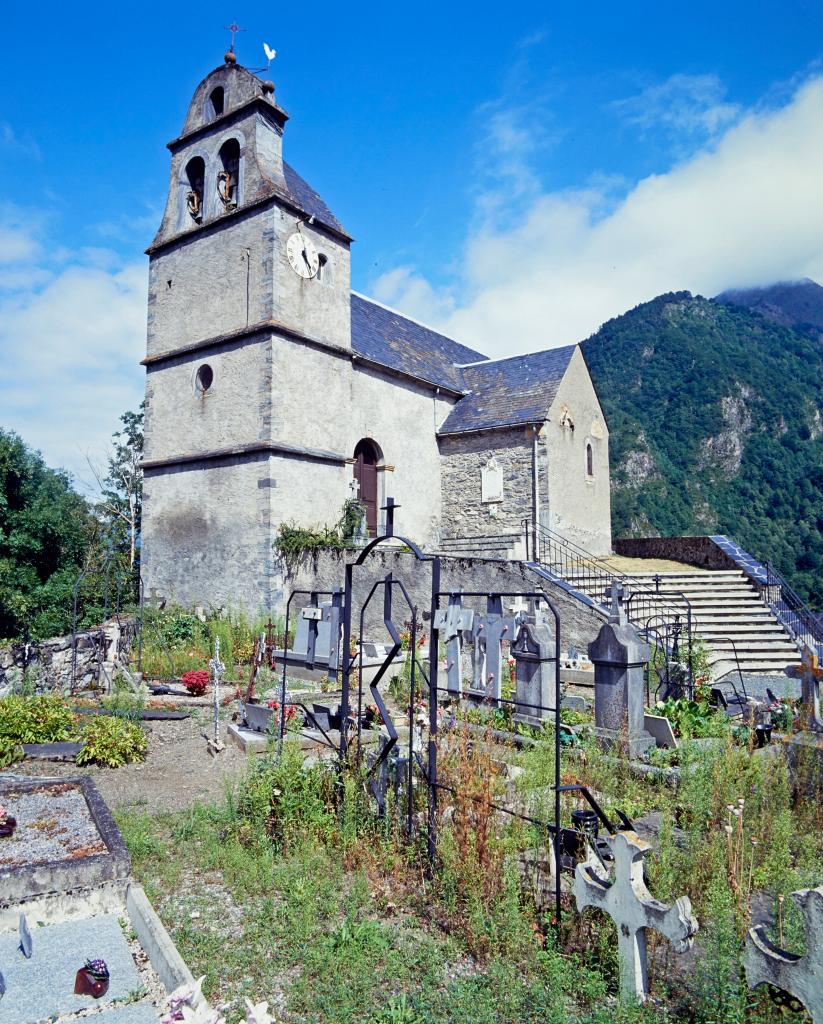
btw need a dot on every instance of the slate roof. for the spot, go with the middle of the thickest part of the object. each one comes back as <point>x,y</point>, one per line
<point>508,392</point>
<point>392,340</point>
<point>308,200</point>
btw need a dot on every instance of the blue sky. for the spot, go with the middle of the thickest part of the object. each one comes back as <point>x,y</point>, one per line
<point>514,175</point>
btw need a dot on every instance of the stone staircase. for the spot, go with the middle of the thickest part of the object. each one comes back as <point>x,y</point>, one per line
<point>729,615</point>
<point>503,547</point>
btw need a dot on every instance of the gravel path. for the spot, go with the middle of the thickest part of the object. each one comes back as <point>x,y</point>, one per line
<point>177,772</point>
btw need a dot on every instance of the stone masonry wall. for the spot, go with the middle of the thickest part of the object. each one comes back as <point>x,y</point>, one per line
<point>579,624</point>
<point>47,667</point>
<point>463,457</point>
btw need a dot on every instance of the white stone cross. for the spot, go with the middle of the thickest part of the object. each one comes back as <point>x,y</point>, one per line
<point>633,909</point>
<point>490,630</point>
<point>800,976</point>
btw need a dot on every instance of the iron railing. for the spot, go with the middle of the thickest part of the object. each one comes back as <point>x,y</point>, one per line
<point>670,611</point>
<point>792,612</point>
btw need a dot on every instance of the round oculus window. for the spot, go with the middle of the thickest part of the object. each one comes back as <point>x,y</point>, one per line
<point>203,379</point>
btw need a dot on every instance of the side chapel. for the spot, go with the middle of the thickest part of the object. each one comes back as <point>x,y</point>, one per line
<point>271,387</point>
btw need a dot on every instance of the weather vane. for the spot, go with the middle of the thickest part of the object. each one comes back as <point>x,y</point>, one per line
<point>234,28</point>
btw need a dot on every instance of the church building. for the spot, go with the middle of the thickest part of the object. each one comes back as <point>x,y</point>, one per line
<point>274,392</point>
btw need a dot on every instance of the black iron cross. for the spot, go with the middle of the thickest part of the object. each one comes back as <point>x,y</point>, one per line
<point>389,508</point>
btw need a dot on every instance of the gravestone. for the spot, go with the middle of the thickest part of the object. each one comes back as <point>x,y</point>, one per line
<point>633,909</point>
<point>454,623</point>
<point>799,976</point>
<point>619,656</point>
<point>804,750</point>
<point>488,633</point>
<point>535,672</point>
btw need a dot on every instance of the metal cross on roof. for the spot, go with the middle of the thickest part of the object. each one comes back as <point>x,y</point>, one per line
<point>234,28</point>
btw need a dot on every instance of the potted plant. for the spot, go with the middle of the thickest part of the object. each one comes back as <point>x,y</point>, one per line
<point>92,980</point>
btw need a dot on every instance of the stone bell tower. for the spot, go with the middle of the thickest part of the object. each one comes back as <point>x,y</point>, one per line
<point>248,344</point>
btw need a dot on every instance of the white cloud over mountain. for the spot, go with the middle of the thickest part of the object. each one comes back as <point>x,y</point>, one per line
<point>743,210</point>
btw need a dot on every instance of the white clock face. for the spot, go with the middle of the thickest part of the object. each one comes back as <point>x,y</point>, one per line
<point>302,255</point>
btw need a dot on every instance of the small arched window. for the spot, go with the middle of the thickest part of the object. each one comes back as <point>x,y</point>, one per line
<point>228,177</point>
<point>323,268</point>
<point>589,460</point>
<point>195,176</point>
<point>217,101</point>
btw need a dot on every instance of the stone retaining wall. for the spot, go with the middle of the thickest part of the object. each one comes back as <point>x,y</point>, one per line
<point>47,666</point>
<point>700,551</point>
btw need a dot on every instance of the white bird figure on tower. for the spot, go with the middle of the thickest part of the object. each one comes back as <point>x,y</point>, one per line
<point>270,53</point>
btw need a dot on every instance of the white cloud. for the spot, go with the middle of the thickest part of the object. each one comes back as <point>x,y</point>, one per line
<point>70,342</point>
<point>683,105</point>
<point>743,210</point>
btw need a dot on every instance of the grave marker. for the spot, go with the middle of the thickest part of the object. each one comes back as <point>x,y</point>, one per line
<point>489,632</point>
<point>800,976</point>
<point>633,909</point>
<point>535,672</point>
<point>454,622</point>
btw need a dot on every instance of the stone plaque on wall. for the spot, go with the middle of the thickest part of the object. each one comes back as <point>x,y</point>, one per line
<point>491,483</point>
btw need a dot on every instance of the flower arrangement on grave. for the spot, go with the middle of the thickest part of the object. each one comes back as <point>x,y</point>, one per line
<point>7,823</point>
<point>195,682</point>
<point>371,715</point>
<point>290,713</point>
<point>92,980</point>
<point>187,1004</point>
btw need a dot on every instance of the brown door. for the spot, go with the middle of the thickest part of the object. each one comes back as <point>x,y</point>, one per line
<point>365,473</point>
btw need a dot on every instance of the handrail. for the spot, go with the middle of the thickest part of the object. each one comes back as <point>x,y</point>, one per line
<point>591,575</point>
<point>792,611</point>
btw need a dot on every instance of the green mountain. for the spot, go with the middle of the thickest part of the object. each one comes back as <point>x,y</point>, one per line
<point>716,421</point>
<point>795,304</point>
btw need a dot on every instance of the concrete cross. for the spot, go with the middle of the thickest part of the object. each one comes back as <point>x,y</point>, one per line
<point>490,630</point>
<point>520,607</point>
<point>452,622</point>
<point>800,976</point>
<point>617,593</point>
<point>633,909</point>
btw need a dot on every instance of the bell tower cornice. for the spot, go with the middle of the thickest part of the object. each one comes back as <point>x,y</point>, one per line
<point>269,109</point>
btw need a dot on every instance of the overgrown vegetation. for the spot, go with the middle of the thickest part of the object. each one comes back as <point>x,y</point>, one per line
<point>112,741</point>
<point>294,543</point>
<point>712,422</point>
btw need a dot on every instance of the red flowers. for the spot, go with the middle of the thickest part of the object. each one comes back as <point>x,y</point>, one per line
<point>290,713</point>
<point>195,682</point>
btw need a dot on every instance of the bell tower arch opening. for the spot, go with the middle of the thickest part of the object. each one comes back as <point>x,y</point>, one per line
<point>367,457</point>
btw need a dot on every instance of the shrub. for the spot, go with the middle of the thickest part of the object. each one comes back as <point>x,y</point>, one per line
<point>112,742</point>
<point>44,719</point>
<point>10,751</point>
<point>195,682</point>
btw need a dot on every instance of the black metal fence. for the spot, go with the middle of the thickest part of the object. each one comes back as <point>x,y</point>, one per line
<point>790,609</point>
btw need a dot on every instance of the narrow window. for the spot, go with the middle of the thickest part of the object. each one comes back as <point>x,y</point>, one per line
<point>217,100</point>
<point>322,267</point>
<point>195,175</point>
<point>203,379</point>
<point>228,178</point>
<point>589,460</point>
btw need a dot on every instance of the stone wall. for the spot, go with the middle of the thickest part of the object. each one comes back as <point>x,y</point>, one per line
<point>579,624</point>
<point>700,551</point>
<point>463,457</point>
<point>47,667</point>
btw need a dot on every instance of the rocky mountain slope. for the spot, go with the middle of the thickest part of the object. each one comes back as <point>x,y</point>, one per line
<point>795,304</point>
<point>716,420</point>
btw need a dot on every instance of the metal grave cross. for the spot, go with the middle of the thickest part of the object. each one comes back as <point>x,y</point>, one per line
<point>633,909</point>
<point>452,622</point>
<point>800,976</point>
<point>490,630</point>
<point>218,669</point>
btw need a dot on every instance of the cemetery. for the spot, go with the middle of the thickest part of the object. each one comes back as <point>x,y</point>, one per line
<point>440,812</point>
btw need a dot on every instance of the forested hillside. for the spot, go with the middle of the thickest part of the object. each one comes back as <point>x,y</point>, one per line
<point>716,420</point>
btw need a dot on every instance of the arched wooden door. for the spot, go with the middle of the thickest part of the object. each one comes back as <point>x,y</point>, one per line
<point>366,458</point>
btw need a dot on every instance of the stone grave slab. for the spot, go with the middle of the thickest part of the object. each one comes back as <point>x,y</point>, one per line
<point>66,838</point>
<point>661,728</point>
<point>43,986</point>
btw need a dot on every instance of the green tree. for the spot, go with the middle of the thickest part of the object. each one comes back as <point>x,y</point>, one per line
<point>46,532</point>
